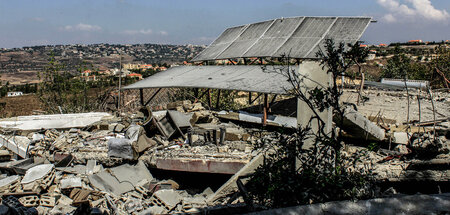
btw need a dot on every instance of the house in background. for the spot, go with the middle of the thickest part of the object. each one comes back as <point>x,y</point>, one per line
<point>12,94</point>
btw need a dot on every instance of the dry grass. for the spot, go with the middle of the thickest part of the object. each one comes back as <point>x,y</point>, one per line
<point>19,106</point>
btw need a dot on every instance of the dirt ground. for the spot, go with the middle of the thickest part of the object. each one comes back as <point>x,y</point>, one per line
<point>18,106</point>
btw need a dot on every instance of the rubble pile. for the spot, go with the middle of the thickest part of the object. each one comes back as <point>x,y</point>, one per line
<point>98,163</point>
<point>103,167</point>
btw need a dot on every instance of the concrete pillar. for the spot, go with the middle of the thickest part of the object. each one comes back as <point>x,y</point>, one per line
<point>314,76</point>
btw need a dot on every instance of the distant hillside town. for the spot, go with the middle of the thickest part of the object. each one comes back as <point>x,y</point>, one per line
<point>102,56</point>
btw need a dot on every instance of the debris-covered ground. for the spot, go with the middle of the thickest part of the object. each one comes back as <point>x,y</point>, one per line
<point>101,163</point>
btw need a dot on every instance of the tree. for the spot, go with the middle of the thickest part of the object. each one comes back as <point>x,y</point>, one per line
<point>292,174</point>
<point>61,91</point>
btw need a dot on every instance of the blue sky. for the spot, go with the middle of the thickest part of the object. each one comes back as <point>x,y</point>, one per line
<point>31,22</point>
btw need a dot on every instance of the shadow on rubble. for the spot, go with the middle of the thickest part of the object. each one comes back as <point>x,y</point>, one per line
<point>193,182</point>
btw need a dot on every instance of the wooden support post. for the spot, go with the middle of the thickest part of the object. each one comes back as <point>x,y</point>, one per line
<point>209,98</point>
<point>141,93</point>
<point>265,108</point>
<point>218,100</point>
<point>153,96</point>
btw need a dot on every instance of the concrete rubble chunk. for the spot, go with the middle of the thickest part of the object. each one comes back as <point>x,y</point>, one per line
<point>23,165</point>
<point>29,201</point>
<point>47,201</point>
<point>90,167</point>
<point>132,174</point>
<point>143,143</point>
<point>37,172</point>
<point>358,125</point>
<point>70,182</point>
<point>17,144</point>
<point>106,182</point>
<point>58,121</point>
<point>116,127</point>
<point>167,198</point>
<point>9,182</point>
<point>64,200</point>
<point>180,119</point>
<point>230,186</point>
<point>62,209</point>
<point>121,148</point>
<point>153,210</point>
<point>77,169</point>
<point>133,132</point>
<point>401,138</point>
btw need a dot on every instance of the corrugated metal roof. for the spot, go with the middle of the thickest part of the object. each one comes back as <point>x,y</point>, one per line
<point>239,77</point>
<point>298,37</point>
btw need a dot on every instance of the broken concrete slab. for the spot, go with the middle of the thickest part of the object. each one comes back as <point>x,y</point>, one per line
<point>116,127</point>
<point>230,186</point>
<point>106,182</point>
<point>132,174</point>
<point>121,148</point>
<point>166,198</point>
<point>180,119</point>
<point>200,165</point>
<point>90,167</point>
<point>272,120</point>
<point>77,169</point>
<point>133,132</point>
<point>70,182</point>
<point>8,182</point>
<point>37,172</point>
<point>143,143</point>
<point>357,125</point>
<point>23,165</point>
<point>58,121</point>
<point>17,144</point>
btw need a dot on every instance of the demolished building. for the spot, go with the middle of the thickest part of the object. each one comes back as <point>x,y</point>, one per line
<point>101,161</point>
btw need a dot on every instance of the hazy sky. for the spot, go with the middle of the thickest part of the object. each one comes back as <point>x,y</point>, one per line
<point>32,22</point>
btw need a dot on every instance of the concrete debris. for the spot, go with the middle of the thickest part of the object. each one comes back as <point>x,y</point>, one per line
<point>121,148</point>
<point>17,144</point>
<point>401,138</point>
<point>37,172</point>
<point>70,182</point>
<point>132,174</point>
<point>358,125</point>
<point>58,121</point>
<point>102,163</point>
<point>166,198</point>
<point>106,182</point>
